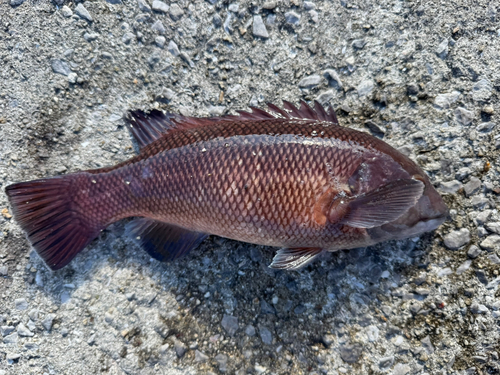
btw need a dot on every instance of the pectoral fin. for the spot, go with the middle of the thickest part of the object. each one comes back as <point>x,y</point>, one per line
<point>293,259</point>
<point>164,242</point>
<point>384,204</point>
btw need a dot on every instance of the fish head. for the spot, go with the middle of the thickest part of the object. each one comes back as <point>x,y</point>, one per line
<point>428,213</point>
<point>396,199</point>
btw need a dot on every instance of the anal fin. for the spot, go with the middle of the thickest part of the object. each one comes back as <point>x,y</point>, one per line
<point>164,242</point>
<point>294,259</point>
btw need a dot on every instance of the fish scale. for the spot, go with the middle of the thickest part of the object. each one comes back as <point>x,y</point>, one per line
<point>295,180</point>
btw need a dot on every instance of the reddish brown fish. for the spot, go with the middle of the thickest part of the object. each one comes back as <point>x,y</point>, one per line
<point>291,178</point>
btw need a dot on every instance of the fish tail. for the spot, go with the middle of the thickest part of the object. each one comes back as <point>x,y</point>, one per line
<point>49,212</point>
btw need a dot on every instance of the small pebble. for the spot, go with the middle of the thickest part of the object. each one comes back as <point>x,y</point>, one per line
<point>265,335</point>
<point>310,81</point>
<point>230,324</point>
<point>443,101</point>
<point>491,242</point>
<point>158,26</point>
<point>450,187</point>
<point>200,357</point>
<point>180,348</point>
<point>16,3</point>
<point>160,41</point>
<point>457,238</point>
<point>66,11</point>
<point>292,18</point>
<point>143,6</point>
<point>442,49</point>
<point>175,12</point>
<point>259,29</point>
<point>463,116</point>
<point>82,12</point>
<point>173,49</point>
<point>333,78</point>
<point>473,252</point>
<point>4,270</point>
<point>23,331</point>
<point>160,6</point>
<point>47,322</point>
<point>21,304</point>
<point>127,38</point>
<point>250,330</point>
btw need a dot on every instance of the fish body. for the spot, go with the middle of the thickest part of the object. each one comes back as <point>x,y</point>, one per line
<point>293,179</point>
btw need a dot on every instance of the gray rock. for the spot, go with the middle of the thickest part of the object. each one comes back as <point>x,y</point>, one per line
<point>350,353</point>
<point>477,308</point>
<point>23,331</point>
<point>491,242</point>
<point>222,361</point>
<point>230,324</point>
<point>89,37</point>
<point>427,344</point>
<point>292,18</point>
<point>401,369</point>
<point>463,267</point>
<point>310,81</point>
<point>479,201</point>
<point>494,258</point>
<point>180,348</point>
<point>175,12</point>
<point>4,270</point>
<point>365,87</point>
<point>60,67</point>
<point>325,97</point>
<point>82,12</point>
<point>450,187</point>
<point>486,127</point>
<point>266,308</point>
<point>481,91</point>
<point>173,49</point>
<point>444,101</point>
<point>184,56</point>
<point>200,357</point>
<point>143,17</point>
<point>21,304</point>
<point>143,6</point>
<point>259,29</point>
<point>11,339</point>
<point>16,3</point>
<point>160,41</point>
<point>158,26</point>
<point>480,218</point>
<point>66,11</point>
<point>48,321</point>
<point>493,227</point>
<point>6,330</point>
<point>250,330</point>
<point>265,335</point>
<point>358,44</point>
<point>386,361</point>
<point>160,6</point>
<point>128,37</point>
<point>464,117</point>
<point>473,252</point>
<point>472,187</point>
<point>442,49</point>
<point>457,238</point>
<point>333,78</point>
<point>72,78</point>
<point>270,5</point>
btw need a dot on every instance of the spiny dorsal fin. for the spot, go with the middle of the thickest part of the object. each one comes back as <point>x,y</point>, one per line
<point>148,127</point>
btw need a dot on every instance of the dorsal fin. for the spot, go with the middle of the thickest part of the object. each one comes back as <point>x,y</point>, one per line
<point>148,127</point>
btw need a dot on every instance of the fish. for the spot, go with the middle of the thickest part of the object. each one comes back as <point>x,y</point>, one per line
<point>290,177</point>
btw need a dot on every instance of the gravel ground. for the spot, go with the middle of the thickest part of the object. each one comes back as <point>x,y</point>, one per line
<point>423,75</point>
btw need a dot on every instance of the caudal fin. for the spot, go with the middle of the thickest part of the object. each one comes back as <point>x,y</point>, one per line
<point>46,211</point>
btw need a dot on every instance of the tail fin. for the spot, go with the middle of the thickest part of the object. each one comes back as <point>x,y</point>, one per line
<point>45,210</point>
